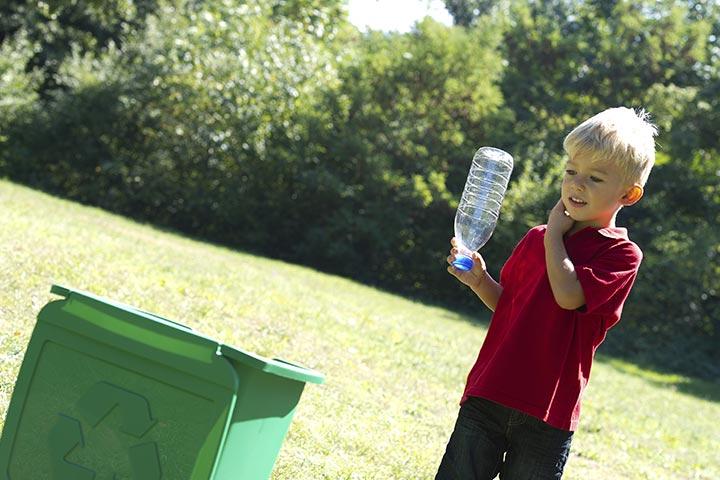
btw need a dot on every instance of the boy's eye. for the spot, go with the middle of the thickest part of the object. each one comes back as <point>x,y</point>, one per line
<point>570,172</point>
<point>596,179</point>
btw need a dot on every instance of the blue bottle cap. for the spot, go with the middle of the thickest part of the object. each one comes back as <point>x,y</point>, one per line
<point>463,262</point>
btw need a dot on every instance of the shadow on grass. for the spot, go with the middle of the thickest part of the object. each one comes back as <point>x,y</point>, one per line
<point>704,389</point>
<point>688,364</point>
<point>689,369</point>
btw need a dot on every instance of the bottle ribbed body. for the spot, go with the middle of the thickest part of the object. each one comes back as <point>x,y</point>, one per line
<point>479,207</point>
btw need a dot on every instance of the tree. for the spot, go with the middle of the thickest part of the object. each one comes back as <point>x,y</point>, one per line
<point>567,60</point>
<point>59,26</point>
<point>464,12</point>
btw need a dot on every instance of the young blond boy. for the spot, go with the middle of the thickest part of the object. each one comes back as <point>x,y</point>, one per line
<point>560,291</point>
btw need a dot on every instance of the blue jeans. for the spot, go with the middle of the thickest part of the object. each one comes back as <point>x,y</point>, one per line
<point>485,432</point>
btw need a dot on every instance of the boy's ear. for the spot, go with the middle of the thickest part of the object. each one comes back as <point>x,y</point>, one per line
<point>633,195</point>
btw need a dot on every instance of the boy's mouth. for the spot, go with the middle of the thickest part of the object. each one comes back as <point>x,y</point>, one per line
<point>576,202</point>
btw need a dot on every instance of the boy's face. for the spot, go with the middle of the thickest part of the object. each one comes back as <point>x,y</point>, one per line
<point>593,192</point>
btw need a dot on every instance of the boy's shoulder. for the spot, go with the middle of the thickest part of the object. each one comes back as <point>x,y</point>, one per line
<point>537,231</point>
<point>609,240</point>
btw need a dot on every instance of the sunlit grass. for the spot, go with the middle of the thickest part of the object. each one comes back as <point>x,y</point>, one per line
<point>394,368</point>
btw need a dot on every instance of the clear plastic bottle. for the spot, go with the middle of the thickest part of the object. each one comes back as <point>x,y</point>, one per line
<point>480,203</point>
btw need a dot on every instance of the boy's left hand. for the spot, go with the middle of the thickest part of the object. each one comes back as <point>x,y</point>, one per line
<point>559,221</point>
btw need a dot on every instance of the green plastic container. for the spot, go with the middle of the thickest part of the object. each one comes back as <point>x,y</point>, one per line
<point>109,392</point>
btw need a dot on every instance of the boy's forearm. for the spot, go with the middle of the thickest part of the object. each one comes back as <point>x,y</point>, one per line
<point>565,286</point>
<point>488,290</point>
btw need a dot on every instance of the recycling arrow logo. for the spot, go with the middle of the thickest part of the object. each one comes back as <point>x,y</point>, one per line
<point>97,403</point>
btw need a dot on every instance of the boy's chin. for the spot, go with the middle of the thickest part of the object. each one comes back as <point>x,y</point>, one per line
<point>577,218</point>
<point>574,216</point>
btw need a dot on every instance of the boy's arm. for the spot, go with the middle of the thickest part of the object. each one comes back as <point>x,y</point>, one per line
<point>478,279</point>
<point>565,286</point>
<point>564,283</point>
<point>488,290</point>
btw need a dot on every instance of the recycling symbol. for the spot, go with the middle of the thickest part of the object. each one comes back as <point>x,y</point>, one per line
<point>97,403</point>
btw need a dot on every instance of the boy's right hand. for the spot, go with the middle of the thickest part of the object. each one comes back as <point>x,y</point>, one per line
<point>472,278</point>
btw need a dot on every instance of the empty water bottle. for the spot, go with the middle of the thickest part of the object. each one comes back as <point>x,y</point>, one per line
<point>480,203</point>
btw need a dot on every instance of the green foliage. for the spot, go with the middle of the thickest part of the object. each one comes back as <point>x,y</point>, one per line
<point>466,12</point>
<point>149,129</point>
<point>18,95</point>
<point>59,26</point>
<point>397,132</point>
<point>567,60</point>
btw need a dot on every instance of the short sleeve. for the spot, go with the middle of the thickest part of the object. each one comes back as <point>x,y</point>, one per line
<point>606,280</point>
<point>506,273</point>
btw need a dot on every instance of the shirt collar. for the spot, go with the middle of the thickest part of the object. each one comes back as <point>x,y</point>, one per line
<point>618,233</point>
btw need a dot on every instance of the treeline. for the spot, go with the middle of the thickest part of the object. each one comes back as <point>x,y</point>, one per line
<point>276,127</point>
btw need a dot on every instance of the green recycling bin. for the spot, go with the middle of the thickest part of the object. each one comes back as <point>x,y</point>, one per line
<point>107,391</point>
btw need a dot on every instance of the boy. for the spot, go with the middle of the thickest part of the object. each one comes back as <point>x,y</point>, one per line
<point>560,291</point>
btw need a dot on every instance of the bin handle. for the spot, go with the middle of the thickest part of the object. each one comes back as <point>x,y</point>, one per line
<point>66,292</point>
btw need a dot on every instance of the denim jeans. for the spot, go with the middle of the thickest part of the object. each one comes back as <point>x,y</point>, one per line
<point>490,439</point>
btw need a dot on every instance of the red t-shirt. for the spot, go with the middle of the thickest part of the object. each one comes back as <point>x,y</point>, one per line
<point>536,356</point>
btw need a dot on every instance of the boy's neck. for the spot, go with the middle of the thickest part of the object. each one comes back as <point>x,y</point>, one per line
<point>597,223</point>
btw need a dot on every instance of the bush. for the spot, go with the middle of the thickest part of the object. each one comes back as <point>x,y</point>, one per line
<point>392,144</point>
<point>18,92</point>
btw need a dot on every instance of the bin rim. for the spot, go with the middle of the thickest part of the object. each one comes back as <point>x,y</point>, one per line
<point>276,366</point>
<point>82,295</point>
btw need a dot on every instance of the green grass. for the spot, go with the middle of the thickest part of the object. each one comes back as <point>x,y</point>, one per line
<point>394,368</point>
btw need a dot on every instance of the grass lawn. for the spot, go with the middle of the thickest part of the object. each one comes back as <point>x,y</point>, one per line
<point>394,368</point>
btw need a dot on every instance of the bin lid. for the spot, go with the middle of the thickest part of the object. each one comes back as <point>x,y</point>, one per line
<point>276,366</point>
<point>80,295</point>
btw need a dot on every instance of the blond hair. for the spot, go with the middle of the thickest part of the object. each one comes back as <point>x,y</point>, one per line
<point>622,136</point>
